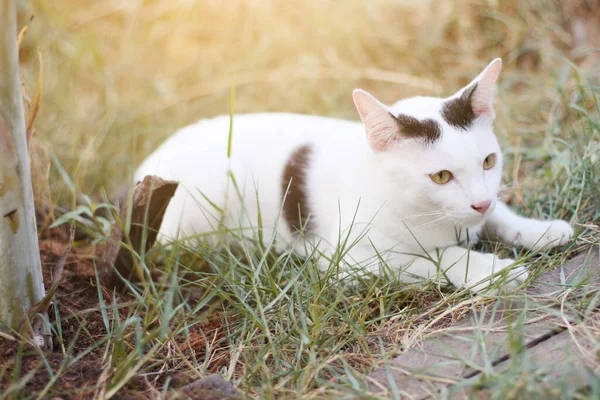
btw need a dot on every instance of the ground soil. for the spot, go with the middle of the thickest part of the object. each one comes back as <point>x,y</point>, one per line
<point>82,327</point>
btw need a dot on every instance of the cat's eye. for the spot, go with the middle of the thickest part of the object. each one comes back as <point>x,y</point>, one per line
<point>441,177</point>
<point>489,161</point>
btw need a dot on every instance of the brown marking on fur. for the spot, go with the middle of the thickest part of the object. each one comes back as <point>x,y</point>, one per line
<point>459,112</point>
<point>13,218</point>
<point>294,191</point>
<point>413,128</point>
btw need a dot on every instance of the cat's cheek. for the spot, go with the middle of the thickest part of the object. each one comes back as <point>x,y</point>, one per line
<point>494,183</point>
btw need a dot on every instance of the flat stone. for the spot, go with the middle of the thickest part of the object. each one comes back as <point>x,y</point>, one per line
<point>569,356</point>
<point>212,387</point>
<point>583,270</point>
<point>482,340</point>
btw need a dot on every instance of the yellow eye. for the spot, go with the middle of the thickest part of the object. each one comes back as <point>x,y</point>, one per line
<point>441,177</point>
<point>489,161</point>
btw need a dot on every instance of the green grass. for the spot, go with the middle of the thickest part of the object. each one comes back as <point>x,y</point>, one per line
<point>121,78</point>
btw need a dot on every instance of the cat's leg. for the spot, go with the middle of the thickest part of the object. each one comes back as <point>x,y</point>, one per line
<point>460,266</point>
<point>465,268</point>
<point>526,232</point>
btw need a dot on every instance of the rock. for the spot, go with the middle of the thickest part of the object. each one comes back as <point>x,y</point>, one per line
<point>212,387</point>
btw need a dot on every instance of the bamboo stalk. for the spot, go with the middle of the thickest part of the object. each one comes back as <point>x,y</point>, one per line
<point>21,282</point>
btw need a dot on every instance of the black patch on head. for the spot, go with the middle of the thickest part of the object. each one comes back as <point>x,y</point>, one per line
<point>294,191</point>
<point>459,112</point>
<point>411,127</point>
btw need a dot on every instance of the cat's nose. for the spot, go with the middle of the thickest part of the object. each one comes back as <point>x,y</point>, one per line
<point>482,206</point>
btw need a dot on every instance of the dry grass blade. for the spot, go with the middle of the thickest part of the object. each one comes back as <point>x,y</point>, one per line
<point>7,336</point>
<point>37,97</point>
<point>22,32</point>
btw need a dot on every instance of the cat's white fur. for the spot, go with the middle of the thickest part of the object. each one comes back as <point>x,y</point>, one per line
<point>366,183</point>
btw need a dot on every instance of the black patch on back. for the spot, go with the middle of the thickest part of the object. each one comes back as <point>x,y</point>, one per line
<point>294,191</point>
<point>411,127</point>
<point>459,112</point>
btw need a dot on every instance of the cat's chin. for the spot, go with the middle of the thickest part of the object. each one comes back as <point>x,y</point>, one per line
<point>471,222</point>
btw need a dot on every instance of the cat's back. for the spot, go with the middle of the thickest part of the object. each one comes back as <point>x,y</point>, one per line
<point>258,141</point>
<point>262,145</point>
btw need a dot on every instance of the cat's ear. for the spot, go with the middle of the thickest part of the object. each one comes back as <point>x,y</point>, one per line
<point>483,96</point>
<point>479,94</point>
<point>381,126</point>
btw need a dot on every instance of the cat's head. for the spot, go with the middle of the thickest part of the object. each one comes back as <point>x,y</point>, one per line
<point>442,152</point>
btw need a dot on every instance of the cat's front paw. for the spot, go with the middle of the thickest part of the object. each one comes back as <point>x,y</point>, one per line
<point>496,281</point>
<point>537,235</point>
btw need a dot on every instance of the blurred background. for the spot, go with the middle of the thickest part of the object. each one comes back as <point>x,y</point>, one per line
<point>120,76</point>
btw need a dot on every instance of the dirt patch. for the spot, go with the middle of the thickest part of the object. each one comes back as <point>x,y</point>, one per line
<point>78,364</point>
<point>205,340</point>
<point>75,383</point>
<point>81,326</point>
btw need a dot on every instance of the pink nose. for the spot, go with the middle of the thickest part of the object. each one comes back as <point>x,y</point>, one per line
<point>482,206</point>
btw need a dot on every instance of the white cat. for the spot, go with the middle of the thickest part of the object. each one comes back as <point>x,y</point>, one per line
<point>405,187</point>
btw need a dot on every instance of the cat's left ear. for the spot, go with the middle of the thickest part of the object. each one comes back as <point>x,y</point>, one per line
<point>479,94</point>
<point>381,127</point>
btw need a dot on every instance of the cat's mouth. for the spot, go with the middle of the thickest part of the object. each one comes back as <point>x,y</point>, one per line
<point>474,217</point>
<point>448,217</point>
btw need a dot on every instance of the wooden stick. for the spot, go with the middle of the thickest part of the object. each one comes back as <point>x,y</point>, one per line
<point>21,282</point>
